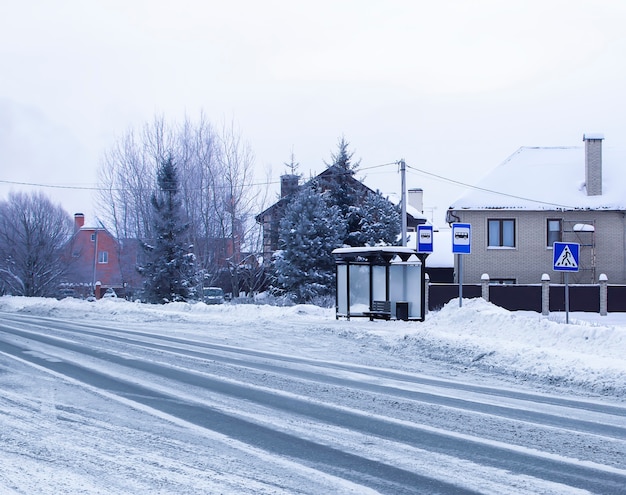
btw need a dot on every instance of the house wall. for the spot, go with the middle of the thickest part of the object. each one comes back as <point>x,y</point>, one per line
<point>83,259</point>
<point>602,251</point>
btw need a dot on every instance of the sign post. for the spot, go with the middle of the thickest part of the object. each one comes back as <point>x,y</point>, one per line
<point>565,259</point>
<point>461,244</point>
<point>424,248</point>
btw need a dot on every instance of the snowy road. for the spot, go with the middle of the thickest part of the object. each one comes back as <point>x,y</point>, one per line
<point>320,426</point>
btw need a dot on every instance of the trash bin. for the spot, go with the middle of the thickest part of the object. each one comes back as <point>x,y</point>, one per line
<point>402,310</point>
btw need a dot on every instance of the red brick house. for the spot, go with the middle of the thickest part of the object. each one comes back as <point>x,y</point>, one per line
<point>97,261</point>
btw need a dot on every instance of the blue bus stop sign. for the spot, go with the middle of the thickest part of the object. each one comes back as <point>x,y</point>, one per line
<point>424,238</point>
<point>461,238</point>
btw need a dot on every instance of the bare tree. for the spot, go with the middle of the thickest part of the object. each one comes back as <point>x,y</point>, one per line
<point>33,232</point>
<point>215,171</point>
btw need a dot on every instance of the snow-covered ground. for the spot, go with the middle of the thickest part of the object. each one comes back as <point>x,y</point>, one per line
<point>478,341</point>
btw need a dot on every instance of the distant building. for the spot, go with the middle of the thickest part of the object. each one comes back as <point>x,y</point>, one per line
<point>270,218</point>
<point>96,259</point>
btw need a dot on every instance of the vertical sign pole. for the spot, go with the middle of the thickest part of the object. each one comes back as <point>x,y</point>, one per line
<point>461,244</point>
<point>460,280</point>
<point>566,257</point>
<point>566,297</point>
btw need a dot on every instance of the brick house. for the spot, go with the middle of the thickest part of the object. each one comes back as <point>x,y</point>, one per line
<point>540,195</point>
<point>97,260</point>
<point>270,218</point>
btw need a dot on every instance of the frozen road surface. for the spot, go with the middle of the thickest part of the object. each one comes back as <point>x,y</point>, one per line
<point>161,407</point>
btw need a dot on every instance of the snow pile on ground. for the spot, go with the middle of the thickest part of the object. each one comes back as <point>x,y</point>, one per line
<point>587,353</point>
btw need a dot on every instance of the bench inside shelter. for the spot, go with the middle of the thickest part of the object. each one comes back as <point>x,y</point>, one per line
<point>380,309</point>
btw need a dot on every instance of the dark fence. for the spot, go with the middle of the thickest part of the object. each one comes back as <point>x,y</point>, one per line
<point>528,297</point>
<point>581,298</point>
<point>441,294</point>
<point>616,298</point>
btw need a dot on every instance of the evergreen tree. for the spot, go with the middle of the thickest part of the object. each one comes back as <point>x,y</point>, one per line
<point>344,192</point>
<point>309,231</point>
<point>169,271</point>
<point>380,223</point>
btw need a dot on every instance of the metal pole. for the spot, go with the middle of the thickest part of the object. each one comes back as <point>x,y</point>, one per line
<point>403,200</point>
<point>566,297</point>
<point>460,280</point>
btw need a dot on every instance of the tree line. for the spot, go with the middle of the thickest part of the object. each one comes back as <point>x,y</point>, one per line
<point>185,192</point>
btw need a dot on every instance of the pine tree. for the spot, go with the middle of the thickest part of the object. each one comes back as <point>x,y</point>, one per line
<point>169,271</point>
<point>380,222</point>
<point>344,192</point>
<point>309,231</point>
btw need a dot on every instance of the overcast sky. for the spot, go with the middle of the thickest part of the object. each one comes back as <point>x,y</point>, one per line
<point>451,87</point>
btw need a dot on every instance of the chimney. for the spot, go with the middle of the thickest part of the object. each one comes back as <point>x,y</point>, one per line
<point>79,221</point>
<point>288,184</point>
<point>593,163</point>
<point>416,199</point>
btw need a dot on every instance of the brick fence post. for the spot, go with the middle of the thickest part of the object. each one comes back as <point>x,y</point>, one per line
<point>604,281</point>
<point>484,280</point>
<point>545,294</point>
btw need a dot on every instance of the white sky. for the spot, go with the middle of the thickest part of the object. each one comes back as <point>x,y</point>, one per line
<point>452,87</point>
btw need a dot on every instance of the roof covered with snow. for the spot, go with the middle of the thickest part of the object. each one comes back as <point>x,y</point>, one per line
<point>548,178</point>
<point>411,210</point>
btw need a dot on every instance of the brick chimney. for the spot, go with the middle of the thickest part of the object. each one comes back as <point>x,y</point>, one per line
<point>416,199</point>
<point>79,221</point>
<point>593,163</point>
<point>288,184</point>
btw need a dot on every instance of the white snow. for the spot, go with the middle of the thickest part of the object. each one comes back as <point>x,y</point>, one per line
<point>41,454</point>
<point>548,178</point>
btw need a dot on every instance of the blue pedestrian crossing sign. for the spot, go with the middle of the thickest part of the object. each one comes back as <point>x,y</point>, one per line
<point>565,256</point>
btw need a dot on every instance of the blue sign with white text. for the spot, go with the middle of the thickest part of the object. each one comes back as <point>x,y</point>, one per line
<point>424,238</point>
<point>461,238</point>
<point>565,256</point>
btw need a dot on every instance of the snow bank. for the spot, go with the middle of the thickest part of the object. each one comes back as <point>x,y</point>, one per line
<point>588,352</point>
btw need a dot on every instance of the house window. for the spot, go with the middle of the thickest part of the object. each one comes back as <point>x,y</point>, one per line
<point>93,237</point>
<point>501,233</point>
<point>554,231</point>
<point>103,257</point>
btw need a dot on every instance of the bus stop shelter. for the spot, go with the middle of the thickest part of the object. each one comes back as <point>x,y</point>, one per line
<point>382,282</point>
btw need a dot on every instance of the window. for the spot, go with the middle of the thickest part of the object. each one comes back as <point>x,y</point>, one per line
<point>554,231</point>
<point>93,237</point>
<point>103,257</point>
<point>501,233</point>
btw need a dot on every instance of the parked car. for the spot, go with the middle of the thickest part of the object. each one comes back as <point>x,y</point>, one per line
<point>110,293</point>
<point>63,293</point>
<point>212,295</point>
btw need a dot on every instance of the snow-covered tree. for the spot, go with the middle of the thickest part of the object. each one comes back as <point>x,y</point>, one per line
<point>310,230</point>
<point>33,232</point>
<point>214,169</point>
<point>380,222</point>
<point>169,270</point>
<point>343,191</point>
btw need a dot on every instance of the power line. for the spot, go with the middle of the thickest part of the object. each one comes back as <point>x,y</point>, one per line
<point>478,188</point>
<point>271,182</point>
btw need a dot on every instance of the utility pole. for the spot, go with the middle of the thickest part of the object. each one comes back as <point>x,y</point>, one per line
<point>403,200</point>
